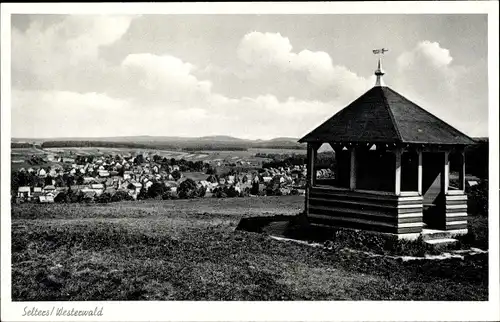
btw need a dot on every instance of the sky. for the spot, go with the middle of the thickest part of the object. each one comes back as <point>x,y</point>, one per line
<point>248,76</point>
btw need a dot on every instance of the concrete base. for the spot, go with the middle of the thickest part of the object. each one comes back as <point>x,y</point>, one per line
<point>433,233</point>
<point>412,236</point>
<point>458,232</point>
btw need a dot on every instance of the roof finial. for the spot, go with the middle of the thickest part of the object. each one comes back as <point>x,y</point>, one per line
<point>379,72</point>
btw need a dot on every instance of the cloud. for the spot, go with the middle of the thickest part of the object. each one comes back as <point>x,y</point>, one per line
<point>427,75</point>
<point>262,50</point>
<point>62,87</point>
<point>61,113</point>
<point>166,77</point>
<point>49,52</point>
<point>430,52</point>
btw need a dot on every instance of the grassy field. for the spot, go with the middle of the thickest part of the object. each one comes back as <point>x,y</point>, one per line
<point>20,155</point>
<point>189,250</point>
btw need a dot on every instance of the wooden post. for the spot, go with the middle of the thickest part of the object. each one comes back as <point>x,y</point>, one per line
<point>314,155</point>
<point>445,178</point>
<point>397,185</point>
<point>420,172</point>
<point>352,181</point>
<point>461,175</point>
<point>309,175</point>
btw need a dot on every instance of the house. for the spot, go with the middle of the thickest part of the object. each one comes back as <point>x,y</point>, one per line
<point>88,180</point>
<point>49,188</point>
<point>137,186</point>
<point>24,192</point>
<point>98,188</point>
<point>89,195</point>
<point>42,173</point>
<point>68,160</point>
<point>103,173</point>
<point>267,179</point>
<point>47,198</point>
<point>127,175</point>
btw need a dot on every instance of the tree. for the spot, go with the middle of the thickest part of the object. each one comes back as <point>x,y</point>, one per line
<point>104,197</point>
<point>211,170</point>
<point>255,188</point>
<point>48,180</point>
<point>143,194</point>
<point>139,159</point>
<point>15,178</point>
<point>121,195</point>
<point>201,192</point>
<point>70,180</point>
<point>61,197</point>
<point>79,180</point>
<point>156,189</point>
<point>187,189</point>
<point>59,181</point>
<point>176,175</point>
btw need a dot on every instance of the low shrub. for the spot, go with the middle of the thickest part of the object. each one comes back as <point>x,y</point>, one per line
<point>339,238</point>
<point>478,199</point>
<point>121,195</point>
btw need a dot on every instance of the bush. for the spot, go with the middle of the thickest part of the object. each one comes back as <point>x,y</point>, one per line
<point>156,189</point>
<point>176,175</point>
<point>61,197</point>
<point>169,195</point>
<point>255,188</point>
<point>121,195</point>
<point>105,197</point>
<point>225,192</point>
<point>478,199</point>
<point>338,238</point>
<point>188,189</point>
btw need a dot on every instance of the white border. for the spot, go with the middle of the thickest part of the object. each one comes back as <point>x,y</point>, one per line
<point>263,311</point>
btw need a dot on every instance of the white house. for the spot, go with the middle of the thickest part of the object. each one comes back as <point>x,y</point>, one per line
<point>42,173</point>
<point>98,188</point>
<point>24,192</point>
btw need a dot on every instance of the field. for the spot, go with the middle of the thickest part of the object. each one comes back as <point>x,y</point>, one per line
<point>189,250</point>
<point>20,155</point>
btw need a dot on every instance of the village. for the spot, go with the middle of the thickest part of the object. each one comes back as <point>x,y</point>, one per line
<point>144,176</point>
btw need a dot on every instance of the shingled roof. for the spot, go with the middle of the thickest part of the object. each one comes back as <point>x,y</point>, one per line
<point>382,115</point>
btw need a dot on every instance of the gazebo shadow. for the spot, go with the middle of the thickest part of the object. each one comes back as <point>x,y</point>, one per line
<point>293,227</point>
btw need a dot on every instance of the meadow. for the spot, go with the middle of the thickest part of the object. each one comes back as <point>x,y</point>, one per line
<point>191,250</point>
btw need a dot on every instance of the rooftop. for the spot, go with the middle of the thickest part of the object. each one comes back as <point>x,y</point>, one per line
<point>381,115</point>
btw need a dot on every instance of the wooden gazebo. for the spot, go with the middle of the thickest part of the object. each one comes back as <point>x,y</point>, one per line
<point>392,168</point>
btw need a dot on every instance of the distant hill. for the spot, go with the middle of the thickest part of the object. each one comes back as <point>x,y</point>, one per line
<point>284,139</point>
<point>213,142</point>
<point>221,138</point>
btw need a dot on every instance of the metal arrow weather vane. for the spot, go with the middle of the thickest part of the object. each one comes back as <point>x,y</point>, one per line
<point>380,51</point>
<point>379,72</point>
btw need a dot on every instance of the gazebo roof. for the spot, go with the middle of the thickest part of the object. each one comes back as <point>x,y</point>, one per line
<point>382,115</point>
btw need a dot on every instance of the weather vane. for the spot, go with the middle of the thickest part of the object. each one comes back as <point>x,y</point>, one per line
<point>380,51</point>
<point>379,72</point>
